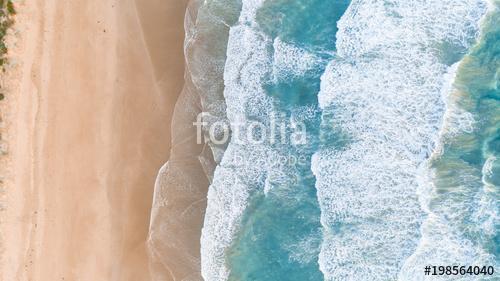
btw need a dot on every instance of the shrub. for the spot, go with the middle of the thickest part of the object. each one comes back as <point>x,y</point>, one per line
<point>10,8</point>
<point>7,11</point>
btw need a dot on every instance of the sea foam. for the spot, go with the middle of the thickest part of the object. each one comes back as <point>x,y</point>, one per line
<point>228,196</point>
<point>382,97</point>
<point>460,198</point>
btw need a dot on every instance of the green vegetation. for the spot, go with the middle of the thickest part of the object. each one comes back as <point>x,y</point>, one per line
<point>7,12</point>
<point>10,8</point>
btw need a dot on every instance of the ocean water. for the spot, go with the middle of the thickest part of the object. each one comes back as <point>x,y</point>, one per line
<point>364,137</point>
<point>384,98</point>
<point>462,201</point>
<point>280,231</point>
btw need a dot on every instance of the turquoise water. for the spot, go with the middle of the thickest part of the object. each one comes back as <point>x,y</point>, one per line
<point>467,173</point>
<point>397,171</point>
<point>307,24</point>
<point>280,234</point>
<point>463,222</point>
<point>311,24</point>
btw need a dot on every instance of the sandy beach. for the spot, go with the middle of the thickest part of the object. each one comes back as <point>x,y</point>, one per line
<point>87,125</point>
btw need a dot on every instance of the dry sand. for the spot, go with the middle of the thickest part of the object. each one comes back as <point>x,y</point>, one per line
<point>88,129</point>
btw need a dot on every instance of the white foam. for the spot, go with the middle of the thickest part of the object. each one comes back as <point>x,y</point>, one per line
<point>304,251</point>
<point>233,182</point>
<point>248,63</point>
<point>456,119</point>
<point>291,61</point>
<point>384,95</point>
<point>461,221</point>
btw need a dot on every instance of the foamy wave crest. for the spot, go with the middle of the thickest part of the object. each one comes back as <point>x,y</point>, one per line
<point>381,99</point>
<point>247,62</point>
<point>456,120</point>
<point>291,61</point>
<point>460,197</point>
